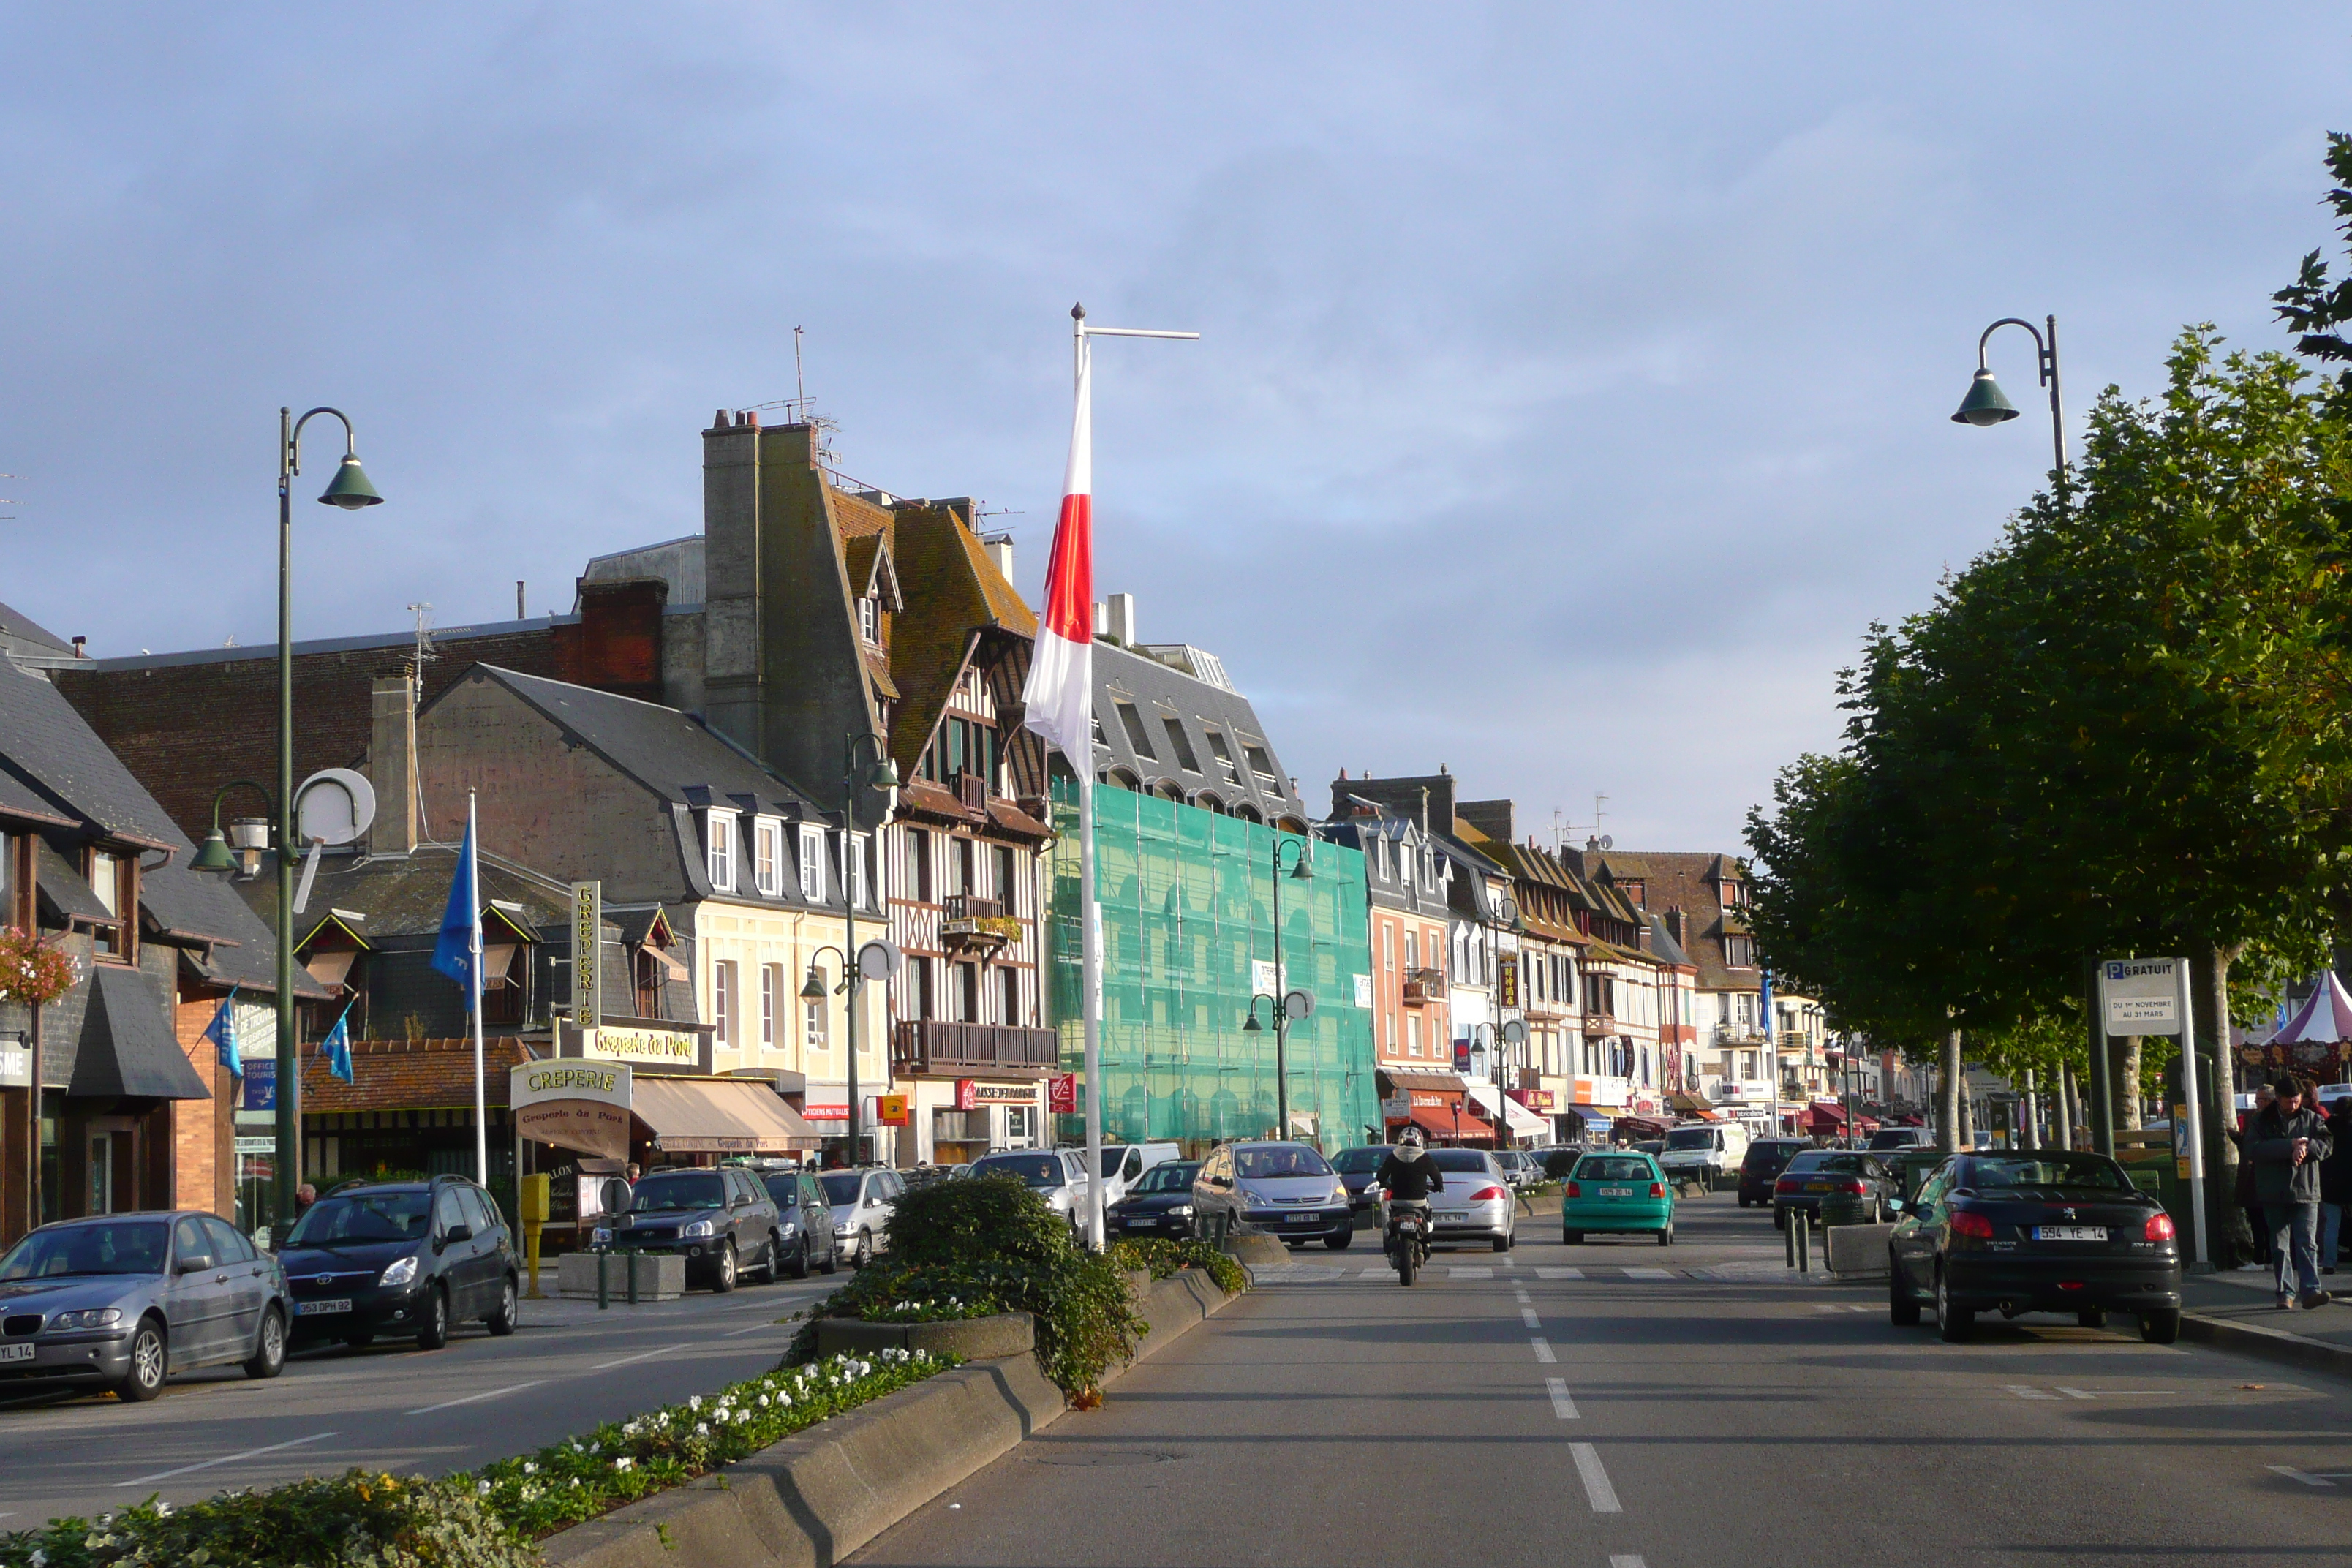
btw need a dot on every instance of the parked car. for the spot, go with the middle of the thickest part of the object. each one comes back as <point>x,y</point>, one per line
<point>1654,1148</point>
<point>1617,1193</point>
<point>1704,1151</point>
<point>2035,1231</point>
<point>1817,1173</point>
<point>1476,1204</point>
<point>1159,1204</point>
<point>1903,1137</point>
<point>803,1222</point>
<point>1057,1175</point>
<point>1355,1168</point>
<point>861,1202</point>
<point>1520,1167</point>
<point>1910,1167</point>
<point>375,1259</point>
<point>721,1221</point>
<point>1761,1167</point>
<point>124,1300</point>
<point>1284,1189</point>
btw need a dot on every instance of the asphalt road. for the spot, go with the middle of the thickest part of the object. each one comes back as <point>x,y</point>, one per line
<point>1634,1418</point>
<point>391,1407</point>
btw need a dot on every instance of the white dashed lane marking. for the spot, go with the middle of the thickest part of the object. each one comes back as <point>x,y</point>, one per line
<point>1561,1405</point>
<point>1528,1316</point>
<point>1597,1489</point>
<point>1543,1352</point>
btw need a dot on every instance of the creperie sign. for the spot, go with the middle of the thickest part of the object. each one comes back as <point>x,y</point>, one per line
<point>534,1082</point>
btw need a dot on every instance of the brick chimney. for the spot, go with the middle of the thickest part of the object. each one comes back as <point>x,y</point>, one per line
<point>392,764</point>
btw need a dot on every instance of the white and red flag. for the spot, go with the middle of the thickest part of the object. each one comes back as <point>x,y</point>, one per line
<point>1060,694</point>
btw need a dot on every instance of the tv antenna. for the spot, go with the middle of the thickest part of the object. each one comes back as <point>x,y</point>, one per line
<point>423,638</point>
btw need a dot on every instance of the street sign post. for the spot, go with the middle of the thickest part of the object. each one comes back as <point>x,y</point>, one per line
<point>2150,996</point>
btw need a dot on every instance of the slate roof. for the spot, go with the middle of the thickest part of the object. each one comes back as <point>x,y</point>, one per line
<point>126,1046</point>
<point>19,633</point>
<point>404,895</point>
<point>1690,882</point>
<point>47,745</point>
<point>1160,694</point>
<point>412,1075</point>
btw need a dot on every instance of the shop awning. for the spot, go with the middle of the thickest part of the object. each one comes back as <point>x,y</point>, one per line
<point>1522,1122</point>
<point>719,1116</point>
<point>1444,1123</point>
<point>126,1050</point>
<point>1823,1113</point>
<point>1693,1105</point>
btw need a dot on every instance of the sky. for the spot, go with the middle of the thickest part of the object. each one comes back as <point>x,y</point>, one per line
<point>1573,387</point>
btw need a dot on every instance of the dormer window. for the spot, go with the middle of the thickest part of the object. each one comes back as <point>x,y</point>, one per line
<point>719,840</point>
<point>768,855</point>
<point>813,865</point>
<point>869,620</point>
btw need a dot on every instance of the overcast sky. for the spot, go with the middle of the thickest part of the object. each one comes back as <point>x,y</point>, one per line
<point>1573,387</point>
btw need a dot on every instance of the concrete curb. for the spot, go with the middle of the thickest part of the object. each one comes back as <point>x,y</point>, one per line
<point>2271,1344</point>
<point>968,1339</point>
<point>814,1499</point>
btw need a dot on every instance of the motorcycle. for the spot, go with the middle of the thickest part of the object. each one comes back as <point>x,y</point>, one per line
<point>1407,1238</point>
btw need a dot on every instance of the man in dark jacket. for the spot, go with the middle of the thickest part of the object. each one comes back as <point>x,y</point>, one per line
<point>1408,1173</point>
<point>2286,1143</point>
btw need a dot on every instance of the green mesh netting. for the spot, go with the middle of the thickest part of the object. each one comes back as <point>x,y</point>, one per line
<point>1187,900</point>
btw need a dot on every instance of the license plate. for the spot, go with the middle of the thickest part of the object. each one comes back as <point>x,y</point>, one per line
<point>321,1309</point>
<point>1616,1192</point>
<point>18,1352</point>
<point>1817,1186</point>
<point>1454,1213</point>
<point>1305,1219</point>
<point>2070,1233</point>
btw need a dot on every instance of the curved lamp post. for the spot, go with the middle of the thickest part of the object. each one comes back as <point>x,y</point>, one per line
<point>1985,404</point>
<point>1279,1001</point>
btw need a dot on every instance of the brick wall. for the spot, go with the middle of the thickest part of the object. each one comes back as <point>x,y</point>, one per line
<point>184,731</point>
<point>203,1168</point>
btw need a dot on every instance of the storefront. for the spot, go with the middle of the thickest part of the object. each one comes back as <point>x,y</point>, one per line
<point>1435,1102</point>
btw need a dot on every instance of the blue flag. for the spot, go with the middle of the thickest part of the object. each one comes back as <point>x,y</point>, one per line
<point>453,956</point>
<point>1764,1006</point>
<point>337,1047</point>
<point>222,1033</point>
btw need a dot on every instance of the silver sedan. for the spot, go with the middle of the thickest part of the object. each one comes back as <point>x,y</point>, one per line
<point>122,1302</point>
<point>1476,1202</point>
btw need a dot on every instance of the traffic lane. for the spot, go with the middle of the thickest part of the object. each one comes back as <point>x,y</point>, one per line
<point>407,1411</point>
<point>1864,1440</point>
<point>1344,1423</point>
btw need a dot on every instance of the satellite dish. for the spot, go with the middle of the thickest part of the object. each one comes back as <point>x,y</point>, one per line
<point>334,806</point>
<point>1298,1004</point>
<point>1607,842</point>
<point>878,961</point>
<point>1515,1032</point>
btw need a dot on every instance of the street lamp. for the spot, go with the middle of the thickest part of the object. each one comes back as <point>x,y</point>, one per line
<point>1985,405</point>
<point>350,490</point>
<point>859,774</point>
<point>1282,1002</point>
<point>236,855</point>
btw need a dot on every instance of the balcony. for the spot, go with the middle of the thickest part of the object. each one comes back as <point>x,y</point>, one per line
<point>1423,985</point>
<point>967,920</point>
<point>1600,1024</point>
<point>932,1047</point>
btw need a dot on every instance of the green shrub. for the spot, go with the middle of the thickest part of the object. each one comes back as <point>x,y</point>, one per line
<point>1086,1322</point>
<point>352,1520</point>
<point>995,1219</point>
<point>1164,1256</point>
<point>1558,1162</point>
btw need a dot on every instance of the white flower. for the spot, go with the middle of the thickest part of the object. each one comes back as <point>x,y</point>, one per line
<point>39,1559</point>
<point>575,1480</point>
<point>162,1511</point>
<point>482,1488</point>
<point>701,1430</point>
<point>530,1468</point>
<point>624,1463</point>
<point>695,1403</point>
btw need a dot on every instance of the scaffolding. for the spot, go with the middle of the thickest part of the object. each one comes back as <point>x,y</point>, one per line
<point>1187,899</point>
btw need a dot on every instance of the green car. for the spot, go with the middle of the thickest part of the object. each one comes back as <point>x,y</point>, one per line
<point>1623,1191</point>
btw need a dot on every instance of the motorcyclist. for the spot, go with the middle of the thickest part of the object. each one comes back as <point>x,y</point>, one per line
<point>1408,1173</point>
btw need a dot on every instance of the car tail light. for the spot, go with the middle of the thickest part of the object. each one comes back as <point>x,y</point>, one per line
<point>1854,1189</point>
<point>1785,1184</point>
<point>1657,1189</point>
<point>1975,1225</point>
<point>2159,1227</point>
<point>1486,1195</point>
<point>1575,1191</point>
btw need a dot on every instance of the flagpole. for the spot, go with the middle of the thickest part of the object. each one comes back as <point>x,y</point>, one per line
<point>1089,914</point>
<point>473,992</point>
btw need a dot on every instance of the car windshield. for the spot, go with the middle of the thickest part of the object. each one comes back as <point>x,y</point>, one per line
<point>785,1190</point>
<point>1458,1159</point>
<point>2039,1171</point>
<point>123,1246</point>
<point>1175,1176</point>
<point>1836,1160</point>
<point>341,1218</point>
<point>1612,1168</point>
<point>1037,1170</point>
<point>1357,1162</point>
<point>687,1190</point>
<point>1691,1138</point>
<point>1280,1160</point>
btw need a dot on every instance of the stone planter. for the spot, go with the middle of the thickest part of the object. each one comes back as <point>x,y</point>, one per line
<point>660,1277</point>
<point>973,1339</point>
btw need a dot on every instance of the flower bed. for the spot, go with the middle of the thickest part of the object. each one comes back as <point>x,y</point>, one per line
<point>1164,1257</point>
<point>934,1308</point>
<point>484,1519</point>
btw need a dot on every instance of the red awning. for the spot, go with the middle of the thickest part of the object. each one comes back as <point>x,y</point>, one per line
<point>1821,1113</point>
<point>1445,1121</point>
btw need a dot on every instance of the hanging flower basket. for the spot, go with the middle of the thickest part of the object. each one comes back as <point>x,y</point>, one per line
<point>31,972</point>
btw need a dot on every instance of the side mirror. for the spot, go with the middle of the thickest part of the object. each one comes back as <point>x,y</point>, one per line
<point>457,1233</point>
<point>194,1262</point>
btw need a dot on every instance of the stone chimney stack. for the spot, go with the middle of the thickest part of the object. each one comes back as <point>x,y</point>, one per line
<point>392,764</point>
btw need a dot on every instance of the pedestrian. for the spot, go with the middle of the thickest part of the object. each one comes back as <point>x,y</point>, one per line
<point>2286,1143</point>
<point>2247,1198</point>
<point>2334,1183</point>
<point>304,1196</point>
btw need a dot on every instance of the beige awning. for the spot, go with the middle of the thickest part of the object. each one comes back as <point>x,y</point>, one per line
<point>719,1116</point>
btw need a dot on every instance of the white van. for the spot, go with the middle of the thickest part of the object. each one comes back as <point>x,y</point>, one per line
<point>1123,1162</point>
<point>1704,1151</point>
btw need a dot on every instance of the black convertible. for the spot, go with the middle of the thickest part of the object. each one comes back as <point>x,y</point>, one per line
<point>2035,1231</point>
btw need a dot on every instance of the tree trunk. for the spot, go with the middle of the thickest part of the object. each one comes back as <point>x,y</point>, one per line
<point>2030,1108</point>
<point>2070,1110</point>
<point>2123,1057</point>
<point>1948,1096</point>
<point>1968,1115</point>
<point>2232,1239</point>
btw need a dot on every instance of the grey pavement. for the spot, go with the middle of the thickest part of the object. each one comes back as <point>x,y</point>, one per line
<point>2249,1296</point>
<point>1612,1406</point>
<point>391,1407</point>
